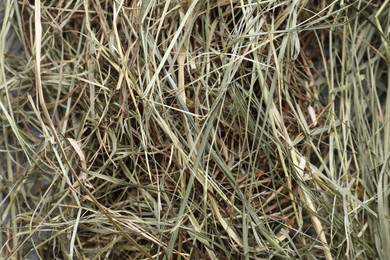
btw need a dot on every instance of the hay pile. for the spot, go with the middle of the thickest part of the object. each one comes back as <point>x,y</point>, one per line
<point>194,129</point>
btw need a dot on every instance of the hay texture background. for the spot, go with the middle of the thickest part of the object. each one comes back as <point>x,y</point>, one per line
<point>194,129</point>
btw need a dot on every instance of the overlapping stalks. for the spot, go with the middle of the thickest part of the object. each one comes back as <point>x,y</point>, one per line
<point>194,129</point>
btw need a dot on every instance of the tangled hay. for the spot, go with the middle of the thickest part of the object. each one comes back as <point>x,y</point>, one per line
<point>194,129</point>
